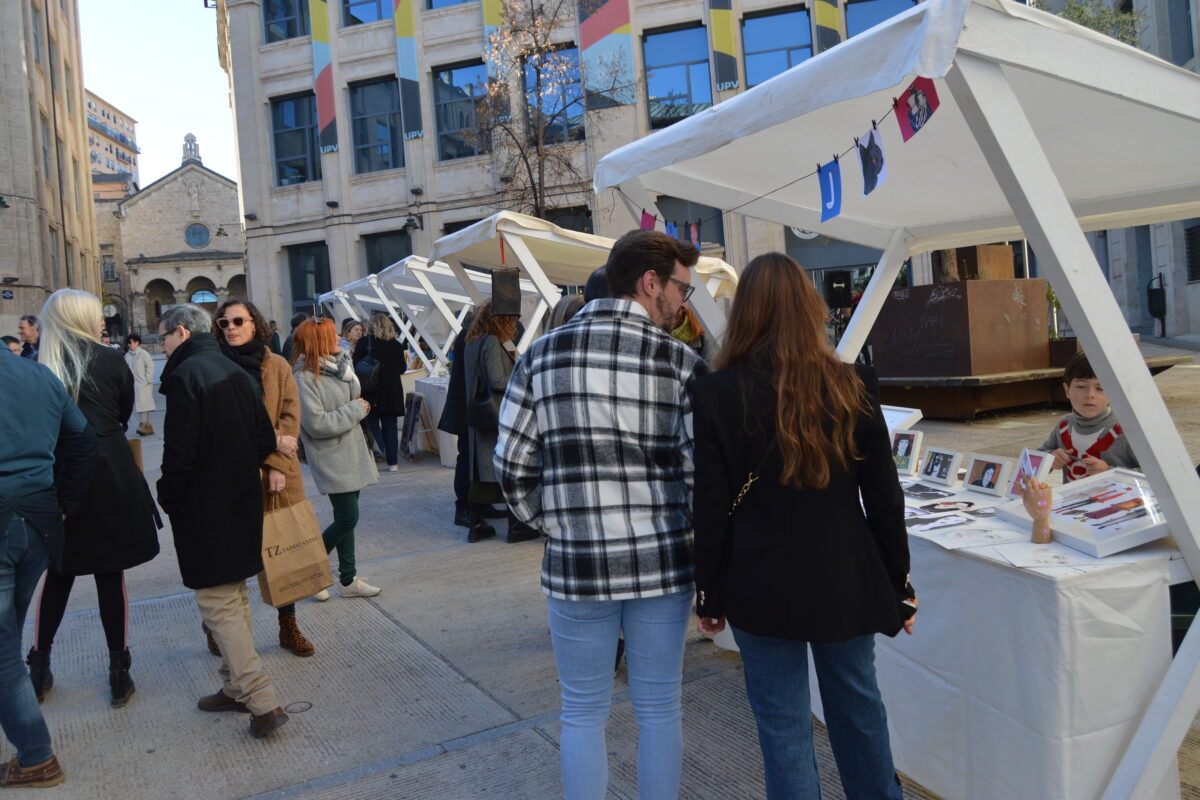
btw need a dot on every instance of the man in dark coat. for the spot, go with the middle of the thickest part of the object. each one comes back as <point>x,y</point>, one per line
<point>216,436</point>
<point>36,491</point>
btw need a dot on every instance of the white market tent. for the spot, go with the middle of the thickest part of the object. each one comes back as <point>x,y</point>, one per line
<point>429,294</point>
<point>1044,130</point>
<point>550,256</point>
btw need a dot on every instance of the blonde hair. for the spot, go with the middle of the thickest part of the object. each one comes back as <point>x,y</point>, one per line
<point>70,324</point>
<point>382,327</point>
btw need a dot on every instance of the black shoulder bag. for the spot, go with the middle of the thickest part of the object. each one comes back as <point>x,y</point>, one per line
<point>367,369</point>
<point>481,414</point>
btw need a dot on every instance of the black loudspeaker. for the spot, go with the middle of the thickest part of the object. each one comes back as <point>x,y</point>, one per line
<point>506,293</point>
<point>837,289</point>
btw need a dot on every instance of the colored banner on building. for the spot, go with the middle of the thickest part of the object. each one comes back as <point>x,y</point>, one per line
<point>406,68</point>
<point>322,50</point>
<point>606,52</point>
<point>828,19</point>
<point>493,18</point>
<point>724,46</point>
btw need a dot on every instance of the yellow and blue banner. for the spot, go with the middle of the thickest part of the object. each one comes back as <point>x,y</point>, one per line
<point>606,52</point>
<point>724,44</point>
<point>407,69</point>
<point>322,52</point>
<point>828,19</point>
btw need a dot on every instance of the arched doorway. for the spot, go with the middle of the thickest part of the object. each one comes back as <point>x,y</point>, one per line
<point>237,286</point>
<point>202,292</point>
<point>160,296</point>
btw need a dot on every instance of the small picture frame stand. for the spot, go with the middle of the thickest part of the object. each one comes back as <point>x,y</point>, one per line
<point>940,466</point>
<point>988,474</point>
<point>906,451</point>
<point>1033,463</point>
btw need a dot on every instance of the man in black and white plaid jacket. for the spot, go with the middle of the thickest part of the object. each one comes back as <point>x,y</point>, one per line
<point>595,448</point>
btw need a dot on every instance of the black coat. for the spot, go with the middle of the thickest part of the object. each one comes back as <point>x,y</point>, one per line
<point>392,356</point>
<point>116,528</point>
<point>454,412</point>
<point>805,565</point>
<point>215,438</point>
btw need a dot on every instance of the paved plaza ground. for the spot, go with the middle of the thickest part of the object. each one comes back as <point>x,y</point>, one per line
<point>441,687</point>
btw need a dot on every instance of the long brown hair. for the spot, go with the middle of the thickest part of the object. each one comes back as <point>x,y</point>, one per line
<point>777,325</point>
<point>314,339</point>
<point>503,328</point>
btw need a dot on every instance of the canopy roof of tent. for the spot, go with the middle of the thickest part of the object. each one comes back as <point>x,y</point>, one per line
<point>1121,129</point>
<point>566,257</point>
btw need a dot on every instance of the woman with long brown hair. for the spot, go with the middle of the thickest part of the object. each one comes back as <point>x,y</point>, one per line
<point>487,366</point>
<point>244,336</point>
<point>787,438</point>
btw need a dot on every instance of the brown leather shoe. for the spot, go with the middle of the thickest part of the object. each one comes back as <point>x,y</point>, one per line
<point>48,773</point>
<point>262,725</point>
<point>290,637</point>
<point>220,701</point>
<point>212,643</point>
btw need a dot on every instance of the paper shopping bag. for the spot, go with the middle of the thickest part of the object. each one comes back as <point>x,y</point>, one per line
<point>295,565</point>
<point>136,446</point>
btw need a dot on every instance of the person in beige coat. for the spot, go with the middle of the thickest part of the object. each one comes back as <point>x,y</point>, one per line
<point>141,365</point>
<point>244,336</point>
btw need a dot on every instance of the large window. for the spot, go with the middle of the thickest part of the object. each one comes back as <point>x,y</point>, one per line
<point>52,247</point>
<point>285,19</point>
<point>375,119</point>
<point>36,19</point>
<point>1179,23</point>
<point>774,43</point>
<point>864,14</point>
<point>385,249</point>
<point>109,267</point>
<point>358,12</point>
<point>678,83</point>
<point>308,265</point>
<point>294,121</point>
<point>1191,248</point>
<point>457,91</point>
<point>553,95</point>
<point>45,131</point>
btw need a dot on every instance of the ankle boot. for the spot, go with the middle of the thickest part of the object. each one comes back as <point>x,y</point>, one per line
<point>290,637</point>
<point>118,677</point>
<point>39,672</point>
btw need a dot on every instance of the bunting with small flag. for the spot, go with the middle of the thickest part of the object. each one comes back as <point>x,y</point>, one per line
<point>915,107</point>
<point>830,176</point>
<point>648,220</point>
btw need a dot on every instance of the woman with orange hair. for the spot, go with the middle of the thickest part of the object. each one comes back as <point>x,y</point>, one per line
<point>331,408</point>
<point>788,438</point>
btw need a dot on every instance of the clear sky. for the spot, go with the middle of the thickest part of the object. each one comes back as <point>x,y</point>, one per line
<point>156,60</point>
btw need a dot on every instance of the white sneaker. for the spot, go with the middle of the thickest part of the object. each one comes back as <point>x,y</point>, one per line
<point>392,467</point>
<point>359,588</point>
<point>321,596</point>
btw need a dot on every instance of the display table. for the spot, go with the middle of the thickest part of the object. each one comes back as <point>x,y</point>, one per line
<point>444,444</point>
<point>1024,683</point>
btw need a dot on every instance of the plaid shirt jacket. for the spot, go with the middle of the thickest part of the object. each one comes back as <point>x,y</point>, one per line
<point>595,447</point>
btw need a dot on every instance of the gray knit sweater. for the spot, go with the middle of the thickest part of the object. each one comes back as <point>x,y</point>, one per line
<point>1118,454</point>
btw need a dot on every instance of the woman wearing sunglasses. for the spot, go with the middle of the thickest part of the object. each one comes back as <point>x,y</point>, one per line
<point>787,440</point>
<point>245,336</point>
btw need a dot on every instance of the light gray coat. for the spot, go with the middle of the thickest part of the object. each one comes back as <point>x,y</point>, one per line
<point>486,358</point>
<point>141,364</point>
<point>329,415</point>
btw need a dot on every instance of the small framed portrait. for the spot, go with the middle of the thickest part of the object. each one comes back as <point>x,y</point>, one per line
<point>940,466</point>
<point>988,474</point>
<point>906,445</point>
<point>1033,463</point>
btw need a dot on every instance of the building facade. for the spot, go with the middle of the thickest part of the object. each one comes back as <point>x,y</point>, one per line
<point>47,230</point>
<point>112,138</point>
<point>179,240</point>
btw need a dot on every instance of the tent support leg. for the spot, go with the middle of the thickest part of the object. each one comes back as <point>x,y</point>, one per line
<point>1008,142</point>
<point>874,296</point>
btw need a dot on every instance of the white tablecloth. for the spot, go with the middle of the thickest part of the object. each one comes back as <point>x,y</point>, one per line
<point>1019,685</point>
<point>444,444</point>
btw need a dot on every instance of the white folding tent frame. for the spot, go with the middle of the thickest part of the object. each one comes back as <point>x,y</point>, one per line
<point>1045,130</point>
<point>418,288</point>
<point>550,256</point>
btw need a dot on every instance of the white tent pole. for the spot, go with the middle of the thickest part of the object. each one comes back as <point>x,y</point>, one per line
<point>550,294</point>
<point>439,354</point>
<point>1012,149</point>
<point>705,306</point>
<point>405,329</point>
<point>341,297</point>
<point>465,279</point>
<point>875,295</point>
<point>438,302</point>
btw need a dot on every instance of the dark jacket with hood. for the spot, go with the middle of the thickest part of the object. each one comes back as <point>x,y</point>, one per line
<point>216,436</point>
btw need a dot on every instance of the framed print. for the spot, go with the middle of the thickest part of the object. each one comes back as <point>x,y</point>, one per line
<point>988,474</point>
<point>906,447</point>
<point>1034,463</point>
<point>940,466</point>
<point>897,418</point>
<point>1101,514</point>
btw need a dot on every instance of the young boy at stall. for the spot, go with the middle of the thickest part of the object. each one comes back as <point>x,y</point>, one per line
<point>1088,440</point>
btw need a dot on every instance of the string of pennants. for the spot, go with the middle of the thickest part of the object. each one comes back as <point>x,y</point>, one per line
<point>920,101</point>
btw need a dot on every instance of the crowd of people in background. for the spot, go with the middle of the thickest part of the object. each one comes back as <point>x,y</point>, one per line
<point>667,480</point>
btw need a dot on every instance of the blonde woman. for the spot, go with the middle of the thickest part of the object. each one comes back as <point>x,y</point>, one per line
<point>116,528</point>
<point>142,366</point>
<point>387,399</point>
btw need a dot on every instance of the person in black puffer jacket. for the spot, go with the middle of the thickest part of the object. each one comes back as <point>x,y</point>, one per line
<point>387,399</point>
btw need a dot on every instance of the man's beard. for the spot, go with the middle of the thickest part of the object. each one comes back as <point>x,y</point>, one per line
<point>664,316</point>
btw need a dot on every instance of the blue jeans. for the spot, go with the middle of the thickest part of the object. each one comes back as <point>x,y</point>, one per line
<point>23,559</point>
<point>585,635</point>
<point>777,686</point>
<point>383,428</point>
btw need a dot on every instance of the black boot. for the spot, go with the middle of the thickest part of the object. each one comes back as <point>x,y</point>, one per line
<point>479,530</point>
<point>39,672</point>
<point>520,532</point>
<point>118,677</point>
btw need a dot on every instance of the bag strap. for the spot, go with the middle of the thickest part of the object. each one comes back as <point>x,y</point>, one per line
<point>752,476</point>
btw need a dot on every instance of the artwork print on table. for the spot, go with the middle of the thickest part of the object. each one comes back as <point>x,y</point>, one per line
<point>944,506</point>
<point>914,108</point>
<point>1032,463</point>
<point>922,525</point>
<point>921,491</point>
<point>987,474</point>
<point>905,448</point>
<point>1107,508</point>
<point>940,466</point>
